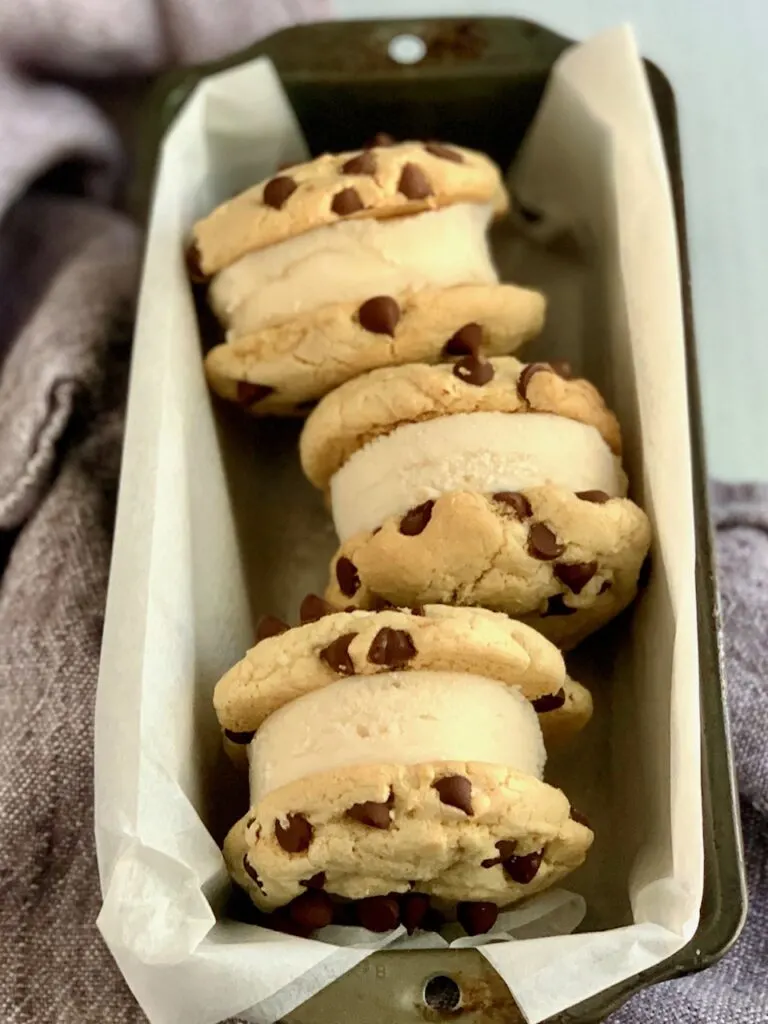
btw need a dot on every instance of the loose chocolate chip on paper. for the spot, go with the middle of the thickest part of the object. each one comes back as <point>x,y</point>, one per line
<point>313,608</point>
<point>575,575</point>
<point>312,910</point>
<point>243,738</point>
<point>379,913</point>
<point>455,791</point>
<point>525,377</point>
<point>347,576</point>
<point>270,625</point>
<point>444,152</point>
<point>556,606</point>
<point>337,657</point>
<point>477,918</point>
<point>253,874</point>
<point>467,341</point>
<point>192,259</point>
<point>414,184</point>
<point>278,190</point>
<point>562,368</point>
<point>372,814</point>
<point>414,907</point>
<point>523,869</point>
<point>580,818</point>
<point>549,701</point>
<point>381,139</point>
<point>517,502</point>
<point>281,921</point>
<point>296,836</point>
<point>315,882</point>
<point>415,521</point>
<point>475,371</point>
<point>543,543</point>
<point>392,648</point>
<point>365,163</point>
<point>596,497</point>
<point>249,394</point>
<point>379,315</point>
<point>347,201</point>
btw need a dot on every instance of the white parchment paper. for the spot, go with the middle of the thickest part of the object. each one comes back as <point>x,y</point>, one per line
<point>209,515</point>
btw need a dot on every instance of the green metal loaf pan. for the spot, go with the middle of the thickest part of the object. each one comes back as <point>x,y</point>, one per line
<point>344,87</point>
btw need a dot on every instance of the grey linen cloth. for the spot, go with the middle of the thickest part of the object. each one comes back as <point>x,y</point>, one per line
<point>68,274</point>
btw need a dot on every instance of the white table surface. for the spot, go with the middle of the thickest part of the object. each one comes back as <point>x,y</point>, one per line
<point>715,53</point>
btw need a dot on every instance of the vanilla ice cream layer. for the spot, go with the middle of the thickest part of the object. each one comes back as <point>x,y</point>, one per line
<point>396,718</point>
<point>352,261</point>
<point>483,452</point>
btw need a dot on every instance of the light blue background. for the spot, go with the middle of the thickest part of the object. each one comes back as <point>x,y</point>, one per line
<point>715,53</point>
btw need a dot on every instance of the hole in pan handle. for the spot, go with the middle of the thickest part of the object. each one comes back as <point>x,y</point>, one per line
<point>442,994</point>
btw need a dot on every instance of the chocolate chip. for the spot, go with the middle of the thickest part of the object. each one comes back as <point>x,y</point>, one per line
<point>506,848</point>
<point>477,918</point>
<point>414,907</point>
<point>392,648</point>
<point>347,201</point>
<point>248,393</point>
<point>525,377</point>
<point>517,502</point>
<point>414,184</point>
<point>436,149</point>
<point>313,608</point>
<point>250,823</point>
<point>596,497</point>
<point>379,315</point>
<point>455,791</point>
<point>372,814</point>
<point>296,836</point>
<point>605,586</point>
<point>315,882</point>
<point>575,575</point>
<point>365,163</point>
<point>543,544</point>
<point>278,190</point>
<point>415,521</point>
<point>269,625</point>
<point>243,738</point>
<point>337,657</point>
<point>347,577</point>
<point>523,869</point>
<point>475,371</point>
<point>556,606</point>
<point>418,609</point>
<point>562,368</point>
<point>381,139</point>
<point>549,701</point>
<point>192,259</point>
<point>580,818</point>
<point>644,575</point>
<point>281,921</point>
<point>467,341</point>
<point>253,874</point>
<point>312,910</point>
<point>379,913</point>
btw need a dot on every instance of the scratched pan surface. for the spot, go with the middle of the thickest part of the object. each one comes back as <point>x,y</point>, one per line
<point>474,73</point>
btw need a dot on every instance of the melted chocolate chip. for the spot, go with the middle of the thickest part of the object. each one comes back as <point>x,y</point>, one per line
<point>543,543</point>
<point>477,918</point>
<point>312,910</point>
<point>467,341</point>
<point>556,606</point>
<point>365,163</point>
<point>605,586</point>
<point>249,394</point>
<point>192,259</point>
<point>379,913</point>
<point>296,836</point>
<point>243,738</point>
<point>455,791</point>
<point>313,608</point>
<point>575,575</point>
<point>315,882</point>
<point>250,823</point>
<point>347,577</point>
<point>523,869</point>
<point>444,152</point>
<point>347,201</point>
<point>381,139</point>
<point>337,657</point>
<point>596,497</point>
<point>414,907</point>
<point>525,377</point>
<point>580,818</point>
<point>415,521</point>
<point>475,371</point>
<point>414,184</point>
<point>269,625</point>
<point>506,848</point>
<point>372,814</point>
<point>549,701</point>
<point>278,190</point>
<point>253,874</point>
<point>392,648</point>
<point>379,315</point>
<point>515,501</point>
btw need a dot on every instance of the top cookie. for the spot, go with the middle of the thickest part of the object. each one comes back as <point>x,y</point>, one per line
<point>380,401</point>
<point>386,181</point>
